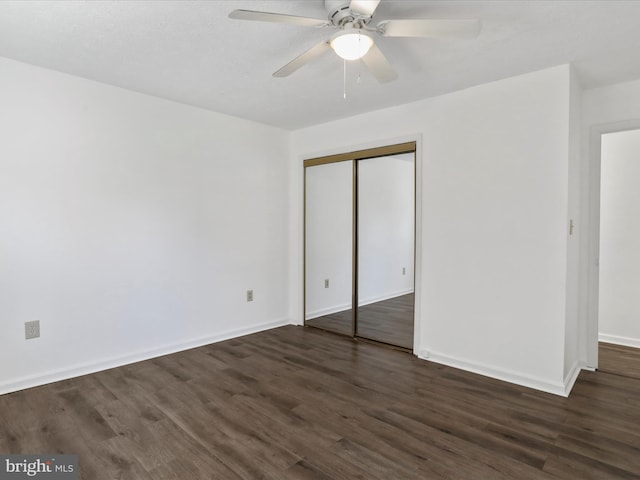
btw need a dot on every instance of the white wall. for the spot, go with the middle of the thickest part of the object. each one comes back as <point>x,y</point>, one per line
<point>494,193</point>
<point>329,239</point>
<point>607,109</point>
<point>385,227</point>
<point>619,306</point>
<point>130,226</point>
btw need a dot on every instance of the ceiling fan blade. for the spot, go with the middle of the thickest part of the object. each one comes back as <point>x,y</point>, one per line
<point>301,60</point>
<point>378,65</point>
<point>430,28</point>
<point>277,18</point>
<point>364,7</point>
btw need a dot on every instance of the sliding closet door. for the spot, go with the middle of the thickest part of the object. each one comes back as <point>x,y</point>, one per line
<point>329,201</point>
<point>385,246</point>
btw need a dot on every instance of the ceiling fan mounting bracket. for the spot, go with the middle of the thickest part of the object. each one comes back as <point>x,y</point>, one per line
<point>381,27</point>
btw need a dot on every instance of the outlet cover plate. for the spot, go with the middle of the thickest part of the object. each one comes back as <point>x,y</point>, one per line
<point>32,329</point>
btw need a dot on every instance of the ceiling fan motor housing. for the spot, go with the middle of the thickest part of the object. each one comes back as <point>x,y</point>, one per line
<point>339,12</point>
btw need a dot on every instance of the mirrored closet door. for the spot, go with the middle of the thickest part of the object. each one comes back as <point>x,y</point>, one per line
<point>385,206</point>
<point>360,242</point>
<point>329,246</point>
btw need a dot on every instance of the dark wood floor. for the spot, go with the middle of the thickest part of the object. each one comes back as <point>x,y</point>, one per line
<point>300,403</point>
<point>389,321</point>
<point>619,360</point>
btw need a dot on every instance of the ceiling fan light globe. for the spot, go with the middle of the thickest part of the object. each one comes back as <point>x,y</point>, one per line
<point>351,45</point>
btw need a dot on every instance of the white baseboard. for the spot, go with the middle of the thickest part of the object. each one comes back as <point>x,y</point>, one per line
<point>380,298</point>
<point>341,308</point>
<point>571,377</point>
<point>327,311</point>
<point>557,388</point>
<point>618,340</point>
<point>93,367</point>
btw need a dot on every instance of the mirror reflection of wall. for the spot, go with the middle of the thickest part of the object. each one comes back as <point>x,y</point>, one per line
<point>329,246</point>
<point>386,232</point>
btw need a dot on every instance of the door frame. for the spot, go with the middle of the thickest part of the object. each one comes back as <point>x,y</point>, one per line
<point>405,145</point>
<point>593,247</point>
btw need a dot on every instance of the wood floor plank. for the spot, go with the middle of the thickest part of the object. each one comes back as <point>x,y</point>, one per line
<point>300,403</point>
<point>619,360</point>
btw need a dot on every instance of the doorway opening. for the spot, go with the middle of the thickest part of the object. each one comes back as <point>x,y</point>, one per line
<point>618,314</point>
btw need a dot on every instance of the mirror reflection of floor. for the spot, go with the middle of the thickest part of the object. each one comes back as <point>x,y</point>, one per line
<point>389,321</point>
<point>339,322</point>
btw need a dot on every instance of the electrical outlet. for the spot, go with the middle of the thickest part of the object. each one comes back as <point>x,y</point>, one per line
<point>404,270</point>
<point>326,283</point>
<point>32,329</point>
<point>249,295</point>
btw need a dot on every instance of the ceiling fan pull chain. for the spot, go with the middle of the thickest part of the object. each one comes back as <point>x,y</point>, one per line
<point>344,80</point>
<point>359,62</point>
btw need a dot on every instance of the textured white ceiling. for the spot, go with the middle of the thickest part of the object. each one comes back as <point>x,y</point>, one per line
<point>190,52</point>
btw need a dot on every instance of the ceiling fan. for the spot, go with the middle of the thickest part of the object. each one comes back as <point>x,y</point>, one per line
<point>356,32</point>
